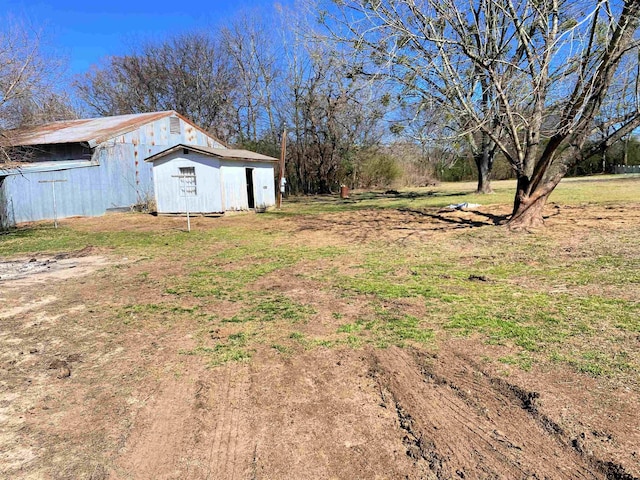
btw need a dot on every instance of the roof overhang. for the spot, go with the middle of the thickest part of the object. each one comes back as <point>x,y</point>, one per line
<point>53,166</point>
<point>221,153</point>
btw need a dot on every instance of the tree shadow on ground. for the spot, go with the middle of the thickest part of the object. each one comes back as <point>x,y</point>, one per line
<point>440,215</point>
<point>409,195</point>
<point>398,225</point>
<point>372,195</point>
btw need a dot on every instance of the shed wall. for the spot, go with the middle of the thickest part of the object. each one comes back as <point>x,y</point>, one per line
<point>121,179</point>
<point>221,184</point>
<point>167,187</point>
<point>234,184</point>
<point>30,200</point>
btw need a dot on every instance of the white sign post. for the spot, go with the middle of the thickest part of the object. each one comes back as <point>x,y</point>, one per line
<point>187,188</point>
<point>53,191</point>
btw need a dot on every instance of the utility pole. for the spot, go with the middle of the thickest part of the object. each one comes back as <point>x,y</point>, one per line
<point>283,154</point>
<point>53,191</point>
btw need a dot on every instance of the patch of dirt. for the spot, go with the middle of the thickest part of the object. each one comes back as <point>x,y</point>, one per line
<point>45,268</point>
<point>308,417</point>
<point>462,422</point>
<point>138,222</point>
<point>90,388</point>
<point>597,416</point>
<point>25,307</point>
<point>408,225</point>
<point>404,225</point>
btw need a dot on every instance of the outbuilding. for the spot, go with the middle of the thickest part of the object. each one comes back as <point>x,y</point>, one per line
<point>212,180</point>
<point>90,166</point>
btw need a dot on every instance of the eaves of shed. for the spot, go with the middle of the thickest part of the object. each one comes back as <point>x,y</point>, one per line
<point>223,153</point>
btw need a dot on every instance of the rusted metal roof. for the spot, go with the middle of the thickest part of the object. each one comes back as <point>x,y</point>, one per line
<point>92,130</point>
<point>225,153</point>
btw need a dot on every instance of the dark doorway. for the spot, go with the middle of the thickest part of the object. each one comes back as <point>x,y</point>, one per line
<point>250,196</point>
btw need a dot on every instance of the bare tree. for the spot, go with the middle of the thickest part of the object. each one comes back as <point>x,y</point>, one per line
<point>334,116</point>
<point>436,133</point>
<point>190,73</point>
<point>28,78</point>
<point>551,67</point>
<point>254,50</point>
<point>388,47</point>
<point>36,109</point>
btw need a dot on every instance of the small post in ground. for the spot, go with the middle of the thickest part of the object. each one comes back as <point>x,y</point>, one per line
<point>187,188</point>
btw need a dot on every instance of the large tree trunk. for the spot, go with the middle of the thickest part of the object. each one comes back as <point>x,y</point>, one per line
<point>484,163</point>
<point>528,205</point>
<point>528,214</point>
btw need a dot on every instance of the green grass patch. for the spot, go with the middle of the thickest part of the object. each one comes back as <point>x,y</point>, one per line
<point>271,308</point>
<point>503,309</point>
<point>225,276</point>
<point>44,239</point>
<point>386,328</point>
<point>522,360</point>
<point>234,349</point>
<point>282,349</point>
<point>598,362</point>
<point>146,313</point>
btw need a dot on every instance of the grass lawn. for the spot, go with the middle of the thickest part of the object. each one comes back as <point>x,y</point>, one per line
<point>330,339</point>
<point>384,270</point>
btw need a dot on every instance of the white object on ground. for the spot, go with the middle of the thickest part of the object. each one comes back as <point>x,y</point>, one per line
<point>463,206</point>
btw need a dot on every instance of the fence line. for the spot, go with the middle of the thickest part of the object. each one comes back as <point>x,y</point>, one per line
<point>625,169</point>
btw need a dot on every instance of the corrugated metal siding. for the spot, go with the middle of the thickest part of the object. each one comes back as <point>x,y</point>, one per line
<point>167,187</point>
<point>234,185</point>
<point>121,179</point>
<point>30,200</point>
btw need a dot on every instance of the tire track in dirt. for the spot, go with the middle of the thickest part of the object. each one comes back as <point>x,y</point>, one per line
<point>372,414</point>
<point>192,428</point>
<point>463,424</point>
<point>316,416</point>
<point>156,444</point>
<point>230,452</point>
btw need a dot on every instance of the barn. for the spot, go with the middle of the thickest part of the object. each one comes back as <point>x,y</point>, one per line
<point>91,166</point>
<point>212,180</point>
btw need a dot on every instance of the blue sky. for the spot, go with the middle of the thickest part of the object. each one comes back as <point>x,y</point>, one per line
<point>87,30</point>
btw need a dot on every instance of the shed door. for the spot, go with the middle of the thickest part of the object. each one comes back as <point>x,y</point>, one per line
<point>250,194</point>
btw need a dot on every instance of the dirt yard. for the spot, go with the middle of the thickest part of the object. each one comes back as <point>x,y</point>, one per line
<point>106,352</point>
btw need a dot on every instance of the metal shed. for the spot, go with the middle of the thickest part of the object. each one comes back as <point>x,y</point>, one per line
<point>98,163</point>
<point>212,180</point>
